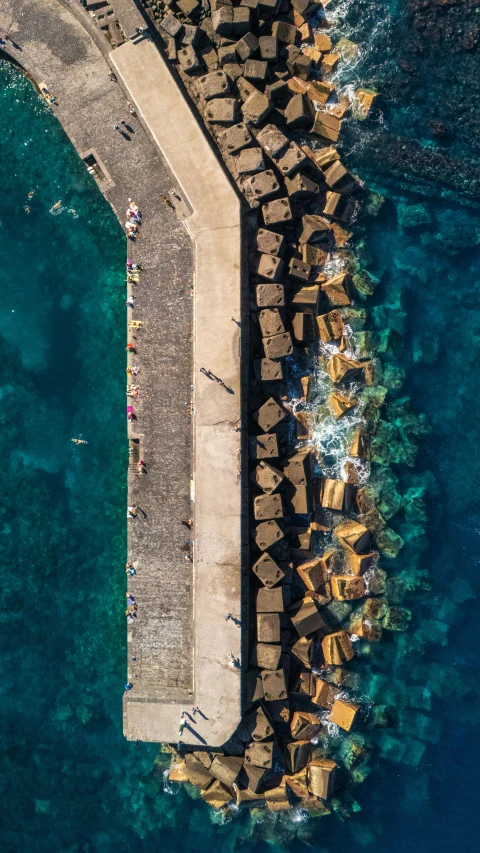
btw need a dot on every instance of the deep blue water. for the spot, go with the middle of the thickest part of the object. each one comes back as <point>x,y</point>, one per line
<point>68,779</point>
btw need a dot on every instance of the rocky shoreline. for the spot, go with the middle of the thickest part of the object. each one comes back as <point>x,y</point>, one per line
<point>321,440</point>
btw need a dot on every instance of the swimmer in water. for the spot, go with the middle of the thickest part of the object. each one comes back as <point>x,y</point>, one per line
<point>27,208</point>
<point>79,441</point>
<point>31,194</point>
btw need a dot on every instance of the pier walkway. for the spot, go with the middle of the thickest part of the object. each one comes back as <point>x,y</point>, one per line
<point>180,638</point>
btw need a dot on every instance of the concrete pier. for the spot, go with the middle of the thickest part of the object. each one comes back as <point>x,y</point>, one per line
<point>180,638</point>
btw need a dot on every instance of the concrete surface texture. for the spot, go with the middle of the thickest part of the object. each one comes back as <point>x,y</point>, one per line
<point>215,228</point>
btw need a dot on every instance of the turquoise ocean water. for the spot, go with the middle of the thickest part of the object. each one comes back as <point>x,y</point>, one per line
<point>68,779</point>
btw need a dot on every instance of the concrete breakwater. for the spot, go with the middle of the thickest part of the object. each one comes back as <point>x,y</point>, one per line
<point>262,75</point>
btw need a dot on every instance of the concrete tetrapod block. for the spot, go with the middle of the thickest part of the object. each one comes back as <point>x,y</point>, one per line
<point>330,326</point>
<point>222,20</point>
<point>267,533</point>
<point>269,267</point>
<point>291,159</point>
<point>307,299</point>
<point>264,446</point>
<point>247,45</point>
<point>268,571</point>
<point>300,187</point>
<point>256,108</point>
<point>256,69</point>
<point>278,346</point>
<point>304,327</point>
<point>298,269</point>
<point>268,628</point>
<point>269,242</point>
<point>341,368</point>
<point>297,112</point>
<point>298,754</point>
<point>326,126</point>
<point>301,650</point>
<point>267,506</point>
<point>260,755</point>
<point>336,290</point>
<point>301,498</point>
<point>272,140</point>
<point>267,477</point>
<point>236,137</point>
<point>269,370</point>
<point>343,714</point>
<point>337,648</point>
<point>270,414</point>
<point>262,725</point>
<point>226,768</point>
<point>267,656</point>
<point>268,48</point>
<point>274,686</point>
<point>284,32</point>
<point>213,85</point>
<point>241,20</point>
<point>270,295</point>
<point>307,619</point>
<point>314,228</point>
<point>221,110</point>
<point>188,59</point>
<point>264,184</point>
<point>249,160</point>
<point>277,212</point>
<point>270,600</point>
<point>299,469</point>
<point>255,776</point>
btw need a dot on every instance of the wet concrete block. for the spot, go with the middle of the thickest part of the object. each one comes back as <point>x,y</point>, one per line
<point>213,85</point>
<point>307,619</point>
<point>274,686</point>
<point>268,627</point>
<point>236,138</point>
<point>343,714</point>
<point>326,126</point>
<point>336,289</point>
<point>337,648</point>
<point>330,62</point>
<point>269,242</point>
<point>269,370</point>
<point>353,535</point>
<point>277,212</point>
<point>268,571</point>
<point>247,46</point>
<point>330,326</point>
<point>267,506</point>
<point>267,478</point>
<point>313,573</point>
<point>291,159</point>
<point>270,295</point>
<point>347,588</point>
<point>319,92</point>
<point>270,600</point>
<point>271,323</point>
<point>269,415</point>
<point>267,534</point>
<point>324,693</point>
<point>321,777</point>
<point>264,446</point>
<point>221,110</point>
<point>217,795</point>
<point>335,173</point>
<point>196,773</point>
<point>301,650</point>
<point>272,140</point>
<point>226,768</point>
<point>278,346</point>
<point>269,267</point>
